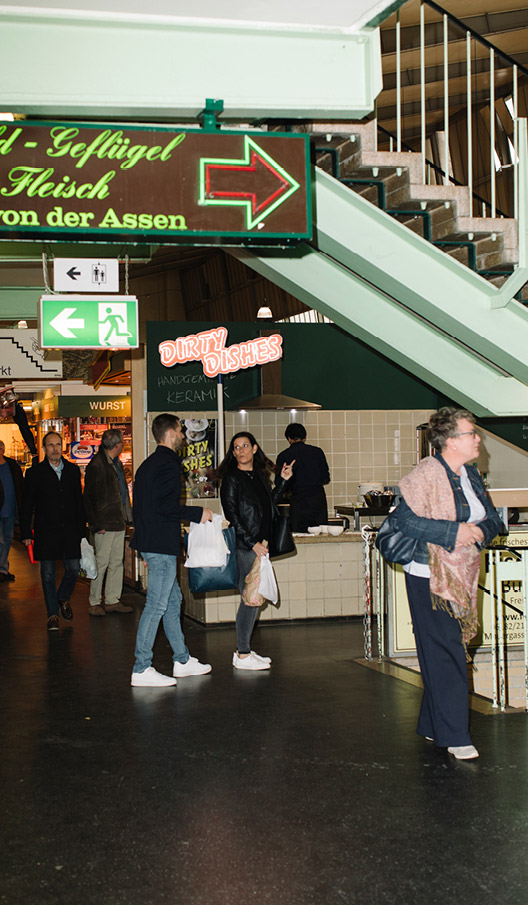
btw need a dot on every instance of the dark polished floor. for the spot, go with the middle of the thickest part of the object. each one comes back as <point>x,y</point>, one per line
<point>303,785</point>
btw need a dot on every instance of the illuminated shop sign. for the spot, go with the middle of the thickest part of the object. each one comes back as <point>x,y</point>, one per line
<point>209,347</point>
<point>81,181</point>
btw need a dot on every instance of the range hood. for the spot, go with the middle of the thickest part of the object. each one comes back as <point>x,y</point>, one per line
<point>271,397</point>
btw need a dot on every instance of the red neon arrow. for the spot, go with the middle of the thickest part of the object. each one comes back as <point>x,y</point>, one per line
<point>258,182</point>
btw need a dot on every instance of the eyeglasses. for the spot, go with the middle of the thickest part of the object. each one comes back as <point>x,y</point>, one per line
<point>467,434</point>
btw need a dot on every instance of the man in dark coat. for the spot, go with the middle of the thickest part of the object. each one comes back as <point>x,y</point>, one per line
<point>308,504</point>
<point>108,511</point>
<point>158,512</point>
<point>52,494</point>
<point>10,499</point>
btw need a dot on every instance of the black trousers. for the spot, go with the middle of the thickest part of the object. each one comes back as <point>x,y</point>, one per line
<point>307,508</point>
<point>444,714</point>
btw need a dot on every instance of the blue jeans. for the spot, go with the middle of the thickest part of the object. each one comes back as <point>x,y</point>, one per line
<point>163,602</point>
<point>52,594</point>
<point>7,524</point>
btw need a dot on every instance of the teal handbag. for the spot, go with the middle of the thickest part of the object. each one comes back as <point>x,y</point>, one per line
<point>216,578</point>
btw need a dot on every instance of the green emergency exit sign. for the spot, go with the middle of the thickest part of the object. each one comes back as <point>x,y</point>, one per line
<point>88,322</point>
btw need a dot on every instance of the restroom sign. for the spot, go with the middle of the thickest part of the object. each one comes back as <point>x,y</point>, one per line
<point>86,275</point>
<point>85,322</point>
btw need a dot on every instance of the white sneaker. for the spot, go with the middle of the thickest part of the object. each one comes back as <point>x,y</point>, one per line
<point>250,662</point>
<point>264,659</point>
<point>151,678</point>
<point>464,752</point>
<point>193,667</point>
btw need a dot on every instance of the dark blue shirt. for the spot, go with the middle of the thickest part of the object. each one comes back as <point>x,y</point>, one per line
<point>8,510</point>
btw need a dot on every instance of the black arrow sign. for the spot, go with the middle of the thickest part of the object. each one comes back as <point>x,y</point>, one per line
<point>72,273</point>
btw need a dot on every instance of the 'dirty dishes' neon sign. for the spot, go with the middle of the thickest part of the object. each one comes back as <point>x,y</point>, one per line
<point>209,347</point>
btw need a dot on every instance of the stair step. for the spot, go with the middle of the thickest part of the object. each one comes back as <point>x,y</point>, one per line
<point>437,220</point>
<point>393,184</point>
<point>392,181</point>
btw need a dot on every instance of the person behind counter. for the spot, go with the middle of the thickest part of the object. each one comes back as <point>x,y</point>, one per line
<point>446,508</point>
<point>308,499</point>
<point>249,505</point>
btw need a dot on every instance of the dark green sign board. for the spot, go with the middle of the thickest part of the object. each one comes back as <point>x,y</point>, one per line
<point>184,387</point>
<point>107,182</point>
<point>321,363</point>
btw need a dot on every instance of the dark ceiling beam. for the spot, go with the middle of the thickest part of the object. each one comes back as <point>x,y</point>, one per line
<point>484,27</point>
<point>436,73</point>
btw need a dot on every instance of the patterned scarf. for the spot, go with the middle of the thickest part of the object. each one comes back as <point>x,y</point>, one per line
<point>454,576</point>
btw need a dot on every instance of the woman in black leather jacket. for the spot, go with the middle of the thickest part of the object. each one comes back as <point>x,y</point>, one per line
<point>249,505</point>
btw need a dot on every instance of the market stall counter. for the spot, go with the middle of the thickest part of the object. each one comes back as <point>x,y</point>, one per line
<point>322,579</point>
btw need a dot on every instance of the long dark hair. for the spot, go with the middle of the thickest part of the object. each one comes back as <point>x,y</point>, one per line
<point>260,459</point>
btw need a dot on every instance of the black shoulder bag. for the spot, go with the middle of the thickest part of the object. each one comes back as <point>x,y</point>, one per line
<point>393,544</point>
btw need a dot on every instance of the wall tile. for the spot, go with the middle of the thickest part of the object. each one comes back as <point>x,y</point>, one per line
<point>333,606</point>
<point>315,590</point>
<point>297,590</point>
<point>332,589</point>
<point>331,571</point>
<point>314,553</point>
<point>332,552</point>
<point>298,609</point>
<point>315,608</point>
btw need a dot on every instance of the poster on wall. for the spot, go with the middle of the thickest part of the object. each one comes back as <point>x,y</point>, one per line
<point>401,630</point>
<point>199,458</point>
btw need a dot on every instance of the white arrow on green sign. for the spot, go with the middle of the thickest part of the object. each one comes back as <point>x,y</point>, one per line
<point>88,322</point>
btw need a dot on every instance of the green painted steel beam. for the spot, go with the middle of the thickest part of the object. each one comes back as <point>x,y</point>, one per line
<point>89,63</point>
<point>370,315</point>
<point>33,251</point>
<point>19,303</point>
<point>411,270</point>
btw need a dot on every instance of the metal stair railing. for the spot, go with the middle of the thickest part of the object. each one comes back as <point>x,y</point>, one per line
<point>497,60</point>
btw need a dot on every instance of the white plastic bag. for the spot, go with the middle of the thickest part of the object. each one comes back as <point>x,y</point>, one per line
<point>88,563</point>
<point>206,545</point>
<point>268,585</point>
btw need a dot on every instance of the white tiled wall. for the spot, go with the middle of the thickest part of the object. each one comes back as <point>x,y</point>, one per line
<point>360,446</point>
<point>322,579</point>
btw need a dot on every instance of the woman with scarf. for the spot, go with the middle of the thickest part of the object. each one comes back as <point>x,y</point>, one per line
<point>249,505</point>
<point>446,508</point>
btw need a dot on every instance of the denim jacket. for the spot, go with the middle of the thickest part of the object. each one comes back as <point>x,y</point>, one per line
<point>443,532</point>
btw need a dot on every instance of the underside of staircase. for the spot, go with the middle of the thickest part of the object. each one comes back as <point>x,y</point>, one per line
<point>404,268</point>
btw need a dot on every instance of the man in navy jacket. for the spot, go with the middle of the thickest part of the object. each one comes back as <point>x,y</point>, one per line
<point>158,513</point>
<point>52,495</point>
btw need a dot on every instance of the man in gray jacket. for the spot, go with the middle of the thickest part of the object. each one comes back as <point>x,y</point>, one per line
<point>108,511</point>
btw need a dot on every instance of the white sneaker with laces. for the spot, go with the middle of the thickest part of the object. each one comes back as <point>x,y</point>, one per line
<point>151,678</point>
<point>193,667</point>
<point>249,662</point>
<point>464,752</point>
<point>264,659</point>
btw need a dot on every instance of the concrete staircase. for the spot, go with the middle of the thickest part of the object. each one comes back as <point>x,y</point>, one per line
<point>439,213</point>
